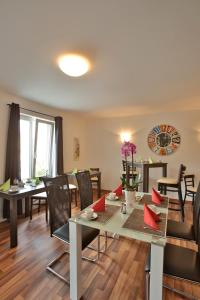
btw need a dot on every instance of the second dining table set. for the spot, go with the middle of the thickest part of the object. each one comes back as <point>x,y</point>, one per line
<point>145,218</point>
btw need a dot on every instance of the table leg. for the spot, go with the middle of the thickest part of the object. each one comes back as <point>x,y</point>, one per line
<point>13,223</point>
<point>145,178</point>
<point>164,171</point>
<point>27,206</point>
<point>75,261</point>
<point>99,185</point>
<point>156,278</point>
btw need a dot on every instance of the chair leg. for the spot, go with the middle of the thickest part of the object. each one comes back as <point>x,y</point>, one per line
<point>181,203</point>
<point>46,210</point>
<point>185,197</point>
<point>192,198</point>
<point>50,269</point>
<point>91,248</point>
<point>53,271</point>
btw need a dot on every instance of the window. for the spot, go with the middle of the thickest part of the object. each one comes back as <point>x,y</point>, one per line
<point>37,147</point>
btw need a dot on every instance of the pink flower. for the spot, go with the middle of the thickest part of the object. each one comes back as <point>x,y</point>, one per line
<point>128,149</point>
<point>132,148</point>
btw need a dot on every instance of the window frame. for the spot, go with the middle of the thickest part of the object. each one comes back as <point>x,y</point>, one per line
<point>29,119</point>
<point>50,163</point>
<point>34,121</point>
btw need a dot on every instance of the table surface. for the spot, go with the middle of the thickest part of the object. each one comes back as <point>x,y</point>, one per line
<point>23,192</point>
<point>92,173</point>
<point>156,163</point>
<point>116,222</point>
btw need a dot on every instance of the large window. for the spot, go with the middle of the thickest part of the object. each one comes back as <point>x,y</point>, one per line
<point>37,150</point>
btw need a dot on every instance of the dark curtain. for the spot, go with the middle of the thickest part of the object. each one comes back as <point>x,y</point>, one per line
<point>59,145</point>
<point>12,168</point>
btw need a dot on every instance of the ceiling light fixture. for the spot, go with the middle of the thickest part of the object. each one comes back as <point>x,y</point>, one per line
<point>73,64</point>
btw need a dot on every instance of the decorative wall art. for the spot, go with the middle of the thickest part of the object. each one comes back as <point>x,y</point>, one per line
<point>76,149</point>
<point>164,139</point>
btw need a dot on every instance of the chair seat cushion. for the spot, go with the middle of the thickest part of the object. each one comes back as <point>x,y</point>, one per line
<point>167,180</point>
<point>180,230</point>
<point>88,234</point>
<point>72,186</point>
<point>192,189</point>
<point>180,262</point>
<point>40,196</point>
<point>94,178</point>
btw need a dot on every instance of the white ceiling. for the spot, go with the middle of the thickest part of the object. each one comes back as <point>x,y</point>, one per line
<point>145,53</point>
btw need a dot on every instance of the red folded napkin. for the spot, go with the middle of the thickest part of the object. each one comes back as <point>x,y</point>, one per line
<point>99,205</point>
<point>150,218</point>
<point>118,191</point>
<point>156,197</point>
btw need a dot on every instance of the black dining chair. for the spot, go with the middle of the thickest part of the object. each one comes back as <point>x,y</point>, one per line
<point>166,184</point>
<point>86,194</point>
<point>59,200</point>
<point>95,179</point>
<point>190,189</point>
<point>179,263</point>
<point>132,174</point>
<point>186,231</point>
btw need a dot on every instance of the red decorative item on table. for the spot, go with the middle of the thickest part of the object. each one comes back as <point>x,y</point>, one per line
<point>99,206</point>
<point>156,197</point>
<point>118,191</point>
<point>150,218</point>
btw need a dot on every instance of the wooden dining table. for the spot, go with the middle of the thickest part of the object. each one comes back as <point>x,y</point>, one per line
<point>130,225</point>
<point>145,168</point>
<point>25,192</point>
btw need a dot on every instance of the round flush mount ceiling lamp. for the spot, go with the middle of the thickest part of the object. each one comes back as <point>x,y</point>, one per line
<point>74,65</point>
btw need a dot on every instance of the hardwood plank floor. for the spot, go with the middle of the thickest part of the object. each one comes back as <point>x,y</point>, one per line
<point>119,274</point>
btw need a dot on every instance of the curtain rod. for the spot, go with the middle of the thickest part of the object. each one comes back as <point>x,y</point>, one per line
<point>33,111</point>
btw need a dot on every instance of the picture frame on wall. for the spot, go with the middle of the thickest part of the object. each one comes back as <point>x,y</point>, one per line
<point>76,149</point>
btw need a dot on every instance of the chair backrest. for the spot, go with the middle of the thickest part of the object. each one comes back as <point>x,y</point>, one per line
<point>127,163</point>
<point>124,165</point>
<point>189,180</point>
<point>182,169</point>
<point>94,169</point>
<point>196,212</point>
<point>59,200</point>
<point>85,188</point>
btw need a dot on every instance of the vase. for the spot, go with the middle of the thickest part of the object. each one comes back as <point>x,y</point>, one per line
<point>130,198</point>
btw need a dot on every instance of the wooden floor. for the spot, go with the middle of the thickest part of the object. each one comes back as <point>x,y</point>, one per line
<point>117,275</point>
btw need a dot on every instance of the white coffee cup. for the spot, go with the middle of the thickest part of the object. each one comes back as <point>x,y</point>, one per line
<point>89,213</point>
<point>112,196</point>
<point>14,188</point>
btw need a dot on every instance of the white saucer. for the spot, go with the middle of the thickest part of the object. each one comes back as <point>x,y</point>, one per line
<point>113,199</point>
<point>13,191</point>
<point>154,209</point>
<point>94,216</point>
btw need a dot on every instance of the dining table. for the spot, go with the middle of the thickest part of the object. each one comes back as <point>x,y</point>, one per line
<point>130,225</point>
<point>23,192</point>
<point>145,167</point>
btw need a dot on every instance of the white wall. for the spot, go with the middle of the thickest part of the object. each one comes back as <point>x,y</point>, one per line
<point>104,143</point>
<point>100,142</point>
<point>73,126</point>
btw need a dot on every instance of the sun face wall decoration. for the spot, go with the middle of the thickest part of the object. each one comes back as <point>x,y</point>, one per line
<point>164,139</point>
